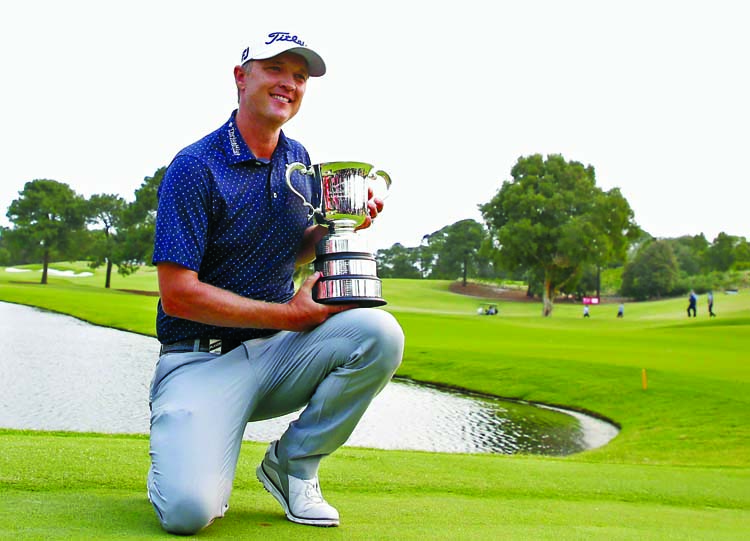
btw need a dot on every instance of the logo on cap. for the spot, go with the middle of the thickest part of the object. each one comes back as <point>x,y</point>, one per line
<point>245,54</point>
<point>284,36</point>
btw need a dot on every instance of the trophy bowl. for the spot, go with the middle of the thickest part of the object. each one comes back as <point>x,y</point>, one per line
<point>349,271</point>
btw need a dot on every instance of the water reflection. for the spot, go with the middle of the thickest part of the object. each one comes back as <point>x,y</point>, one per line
<point>59,373</point>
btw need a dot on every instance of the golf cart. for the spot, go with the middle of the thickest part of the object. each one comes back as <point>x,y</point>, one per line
<point>487,310</point>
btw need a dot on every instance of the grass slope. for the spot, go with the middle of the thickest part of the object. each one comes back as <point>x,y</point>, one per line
<point>679,469</point>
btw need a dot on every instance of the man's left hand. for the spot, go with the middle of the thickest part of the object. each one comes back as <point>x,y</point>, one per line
<point>374,207</point>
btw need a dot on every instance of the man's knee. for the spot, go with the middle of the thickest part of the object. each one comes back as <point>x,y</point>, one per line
<point>187,504</point>
<point>385,335</point>
<point>186,514</point>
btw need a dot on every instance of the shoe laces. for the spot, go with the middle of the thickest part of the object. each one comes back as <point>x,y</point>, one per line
<point>312,491</point>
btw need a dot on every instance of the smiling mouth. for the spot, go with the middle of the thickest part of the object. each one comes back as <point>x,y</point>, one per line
<point>282,99</point>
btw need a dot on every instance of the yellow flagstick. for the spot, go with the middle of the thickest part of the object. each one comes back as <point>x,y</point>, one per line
<point>644,379</point>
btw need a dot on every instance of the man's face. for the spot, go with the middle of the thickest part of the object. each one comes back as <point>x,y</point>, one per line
<point>273,89</point>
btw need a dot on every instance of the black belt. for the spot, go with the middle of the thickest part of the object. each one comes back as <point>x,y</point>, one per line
<point>200,344</point>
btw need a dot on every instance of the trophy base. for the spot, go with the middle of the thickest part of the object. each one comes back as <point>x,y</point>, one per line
<point>364,302</point>
<point>362,290</point>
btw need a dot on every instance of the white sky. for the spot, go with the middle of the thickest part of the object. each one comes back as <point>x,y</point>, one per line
<point>445,96</point>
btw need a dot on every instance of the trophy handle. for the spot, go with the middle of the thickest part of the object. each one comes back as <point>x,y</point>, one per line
<point>301,167</point>
<point>379,173</point>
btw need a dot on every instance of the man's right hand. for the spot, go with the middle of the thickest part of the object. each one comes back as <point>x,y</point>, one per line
<point>305,313</point>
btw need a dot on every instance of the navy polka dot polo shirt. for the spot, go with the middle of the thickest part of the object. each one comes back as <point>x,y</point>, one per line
<point>231,218</point>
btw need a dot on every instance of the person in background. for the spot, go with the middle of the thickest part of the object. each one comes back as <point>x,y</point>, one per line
<point>621,310</point>
<point>238,343</point>
<point>692,304</point>
<point>710,298</point>
<point>586,310</point>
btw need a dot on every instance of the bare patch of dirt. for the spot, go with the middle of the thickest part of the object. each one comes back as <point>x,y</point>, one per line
<point>517,295</point>
<point>490,292</point>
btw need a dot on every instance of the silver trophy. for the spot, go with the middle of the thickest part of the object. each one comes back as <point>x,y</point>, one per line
<point>349,271</point>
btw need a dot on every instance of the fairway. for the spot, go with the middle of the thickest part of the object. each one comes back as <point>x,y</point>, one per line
<point>679,469</point>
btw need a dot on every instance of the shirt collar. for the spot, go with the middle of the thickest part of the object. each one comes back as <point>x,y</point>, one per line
<point>235,147</point>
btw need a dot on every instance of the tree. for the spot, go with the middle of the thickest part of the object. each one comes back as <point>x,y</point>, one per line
<point>588,282</point>
<point>551,219</point>
<point>652,273</point>
<point>398,261</point>
<point>18,246</point>
<point>614,231</point>
<point>5,255</point>
<point>690,252</point>
<point>721,253</point>
<point>106,210</point>
<point>49,214</point>
<point>742,255</point>
<point>455,250</point>
<point>425,256</point>
<point>135,237</point>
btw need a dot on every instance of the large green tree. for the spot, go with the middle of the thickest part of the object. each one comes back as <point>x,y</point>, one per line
<point>613,232</point>
<point>653,272</point>
<point>50,215</point>
<point>455,250</point>
<point>551,219</point>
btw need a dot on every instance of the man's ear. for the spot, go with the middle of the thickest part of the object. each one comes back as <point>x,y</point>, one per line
<point>239,77</point>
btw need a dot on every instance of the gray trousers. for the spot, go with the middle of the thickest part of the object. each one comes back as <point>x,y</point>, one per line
<point>201,402</point>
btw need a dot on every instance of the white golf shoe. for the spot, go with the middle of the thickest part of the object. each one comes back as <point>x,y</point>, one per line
<point>301,499</point>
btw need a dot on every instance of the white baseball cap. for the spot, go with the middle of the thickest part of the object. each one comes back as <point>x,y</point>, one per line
<point>276,43</point>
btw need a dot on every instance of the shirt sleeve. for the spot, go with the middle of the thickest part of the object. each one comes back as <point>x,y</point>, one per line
<point>183,213</point>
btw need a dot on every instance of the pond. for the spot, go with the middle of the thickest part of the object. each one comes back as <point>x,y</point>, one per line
<point>60,373</point>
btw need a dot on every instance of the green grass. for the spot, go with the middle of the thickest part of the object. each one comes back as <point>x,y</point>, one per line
<point>85,297</point>
<point>91,487</point>
<point>679,469</point>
